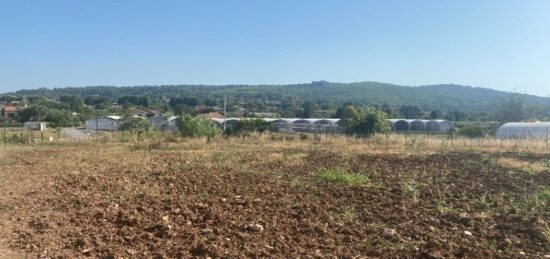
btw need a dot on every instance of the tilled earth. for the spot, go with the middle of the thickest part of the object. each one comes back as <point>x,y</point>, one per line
<point>120,203</point>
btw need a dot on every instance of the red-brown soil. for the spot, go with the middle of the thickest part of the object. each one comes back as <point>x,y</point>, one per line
<point>131,204</point>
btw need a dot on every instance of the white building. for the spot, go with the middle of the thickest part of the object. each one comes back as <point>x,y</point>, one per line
<point>35,125</point>
<point>104,123</point>
<point>172,123</point>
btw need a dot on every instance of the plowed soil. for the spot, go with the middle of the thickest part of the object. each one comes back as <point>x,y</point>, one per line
<point>118,202</point>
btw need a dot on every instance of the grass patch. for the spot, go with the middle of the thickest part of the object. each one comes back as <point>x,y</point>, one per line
<point>410,186</point>
<point>339,175</point>
<point>541,198</point>
<point>546,232</point>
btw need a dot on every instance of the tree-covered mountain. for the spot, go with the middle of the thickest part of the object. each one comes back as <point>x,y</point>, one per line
<point>444,97</point>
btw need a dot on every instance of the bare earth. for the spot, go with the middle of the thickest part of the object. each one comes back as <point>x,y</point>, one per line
<point>269,200</point>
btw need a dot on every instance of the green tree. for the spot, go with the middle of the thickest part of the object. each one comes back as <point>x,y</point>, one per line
<point>33,113</point>
<point>410,111</point>
<point>73,103</point>
<point>364,122</point>
<point>511,109</point>
<point>181,109</point>
<point>58,118</point>
<point>136,124</point>
<point>309,110</point>
<point>197,126</point>
<point>258,125</point>
<point>435,114</point>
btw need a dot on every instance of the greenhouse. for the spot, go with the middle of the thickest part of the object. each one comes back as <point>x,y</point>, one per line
<point>420,125</point>
<point>524,130</point>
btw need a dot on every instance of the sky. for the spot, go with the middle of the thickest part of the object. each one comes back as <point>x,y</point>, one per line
<point>499,44</point>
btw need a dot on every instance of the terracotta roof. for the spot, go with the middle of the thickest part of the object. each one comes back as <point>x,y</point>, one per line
<point>10,108</point>
<point>214,115</point>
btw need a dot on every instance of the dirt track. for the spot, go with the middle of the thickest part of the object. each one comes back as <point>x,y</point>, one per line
<point>76,203</point>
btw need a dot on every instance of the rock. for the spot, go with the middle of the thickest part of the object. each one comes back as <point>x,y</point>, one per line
<point>165,218</point>
<point>255,228</point>
<point>389,233</point>
<point>432,229</point>
<point>206,231</point>
<point>468,233</point>
<point>547,256</point>
<point>508,241</point>
<point>521,253</point>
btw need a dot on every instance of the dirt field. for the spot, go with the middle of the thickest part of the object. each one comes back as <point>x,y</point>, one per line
<point>272,198</point>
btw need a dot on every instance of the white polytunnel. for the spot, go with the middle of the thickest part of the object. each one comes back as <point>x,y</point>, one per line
<point>418,125</point>
<point>309,124</point>
<point>524,130</point>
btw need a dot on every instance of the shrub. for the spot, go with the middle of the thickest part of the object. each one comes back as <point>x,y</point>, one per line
<point>253,125</point>
<point>136,124</point>
<point>197,126</point>
<point>472,131</point>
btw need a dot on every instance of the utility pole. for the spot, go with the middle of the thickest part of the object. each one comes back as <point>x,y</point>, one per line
<point>224,109</point>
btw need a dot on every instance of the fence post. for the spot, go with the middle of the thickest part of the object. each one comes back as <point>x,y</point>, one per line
<point>547,138</point>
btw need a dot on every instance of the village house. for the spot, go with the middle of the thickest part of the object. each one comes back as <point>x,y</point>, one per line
<point>8,111</point>
<point>104,123</point>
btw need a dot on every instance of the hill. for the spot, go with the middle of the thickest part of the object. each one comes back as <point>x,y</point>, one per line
<point>443,97</point>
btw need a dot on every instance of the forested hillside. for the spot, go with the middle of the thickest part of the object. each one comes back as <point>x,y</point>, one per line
<point>441,97</point>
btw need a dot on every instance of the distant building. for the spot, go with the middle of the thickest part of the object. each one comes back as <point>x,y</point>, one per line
<point>172,123</point>
<point>9,111</point>
<point>35,125</point>
<point>145,113</point>
<point>159,122</point>
<point>104,123</point>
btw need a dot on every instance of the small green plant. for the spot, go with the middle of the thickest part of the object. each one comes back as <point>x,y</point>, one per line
<point>530,170</point>
<point>546,164</point>
<point>541,198</point>
<point>443,208</point>
<point>296,183</point>
<point>546,232</point>
<point>410,187</point>
<point>483,200</point>
<point>341,176</point>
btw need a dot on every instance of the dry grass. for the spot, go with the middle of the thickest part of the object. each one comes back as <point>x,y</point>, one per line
<point>289,147</point>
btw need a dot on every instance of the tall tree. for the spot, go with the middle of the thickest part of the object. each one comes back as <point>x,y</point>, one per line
<point>410,111</point>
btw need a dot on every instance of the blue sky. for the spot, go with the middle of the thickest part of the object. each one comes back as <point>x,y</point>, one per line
<point>498,44</point>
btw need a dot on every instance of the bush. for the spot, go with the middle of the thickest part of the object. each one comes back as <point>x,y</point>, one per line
<point>254,125</point>
<point>136,124</point>
<point>197,126</point>
<point>472,131</point>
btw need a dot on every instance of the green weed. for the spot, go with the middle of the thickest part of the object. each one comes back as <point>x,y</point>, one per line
<point>341,176</point>
<point>546,232</point>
